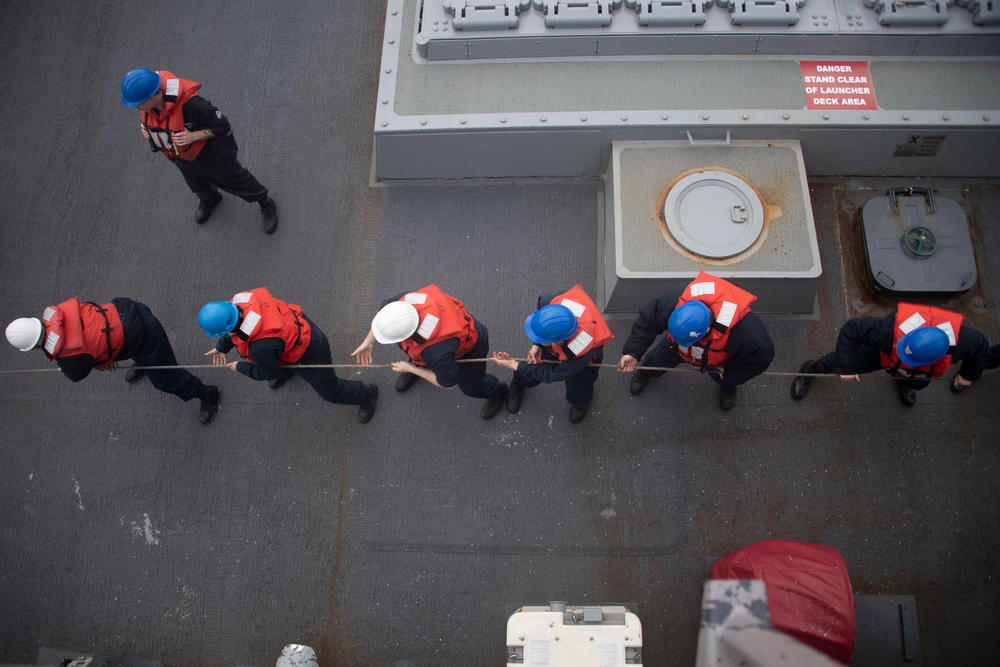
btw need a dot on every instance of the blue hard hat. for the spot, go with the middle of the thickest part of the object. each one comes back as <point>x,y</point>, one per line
<point>218,318</point>
<point>138,86</point>
<point>553,323</point>
<point>689,323</point>
<point>923,346</point>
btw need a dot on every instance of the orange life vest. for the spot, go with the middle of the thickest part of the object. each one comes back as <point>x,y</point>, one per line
<point>910,316</point>
<point>728,303</point>
<point>442,316</point>
<point>266,317</point>
<point>592,331</point>
<point>176,92</point>
<point>83,328</point>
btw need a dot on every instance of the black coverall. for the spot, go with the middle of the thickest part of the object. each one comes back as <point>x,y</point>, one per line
<point>216,167</point>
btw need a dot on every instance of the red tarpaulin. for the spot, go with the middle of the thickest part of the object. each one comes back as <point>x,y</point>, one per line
<point>808,592</point>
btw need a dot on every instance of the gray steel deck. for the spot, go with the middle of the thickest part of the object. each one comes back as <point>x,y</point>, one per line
<point>129,529</point>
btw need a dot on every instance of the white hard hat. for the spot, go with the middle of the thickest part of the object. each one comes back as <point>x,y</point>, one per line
<point>395,323</point>
<point>25,333</point>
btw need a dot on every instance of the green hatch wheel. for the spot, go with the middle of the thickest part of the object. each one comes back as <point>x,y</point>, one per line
<point>920,241</point>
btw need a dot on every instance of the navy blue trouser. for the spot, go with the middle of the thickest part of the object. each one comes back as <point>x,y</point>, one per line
<point>473,380</point>
<point>993,357</point>
<point>324,380</point>
<point>579,387</point>
<point>664,355</point>
<point>156,351</point>
<point>215,168</point>
<point>869,361</point>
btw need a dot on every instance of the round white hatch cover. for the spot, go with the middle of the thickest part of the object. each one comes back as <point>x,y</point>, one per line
<point>713,214</point>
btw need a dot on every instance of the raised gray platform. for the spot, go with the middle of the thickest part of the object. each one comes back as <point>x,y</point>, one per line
<point>558,116</point>
<point>639,263</point>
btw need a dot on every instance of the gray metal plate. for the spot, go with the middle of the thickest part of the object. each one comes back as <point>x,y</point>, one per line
<point>714,214</point>
<point>888,633</point>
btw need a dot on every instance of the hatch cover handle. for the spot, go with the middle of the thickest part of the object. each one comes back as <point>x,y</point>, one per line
<point>709,142</point>
<point>882,277</point>
<point>928,194</point>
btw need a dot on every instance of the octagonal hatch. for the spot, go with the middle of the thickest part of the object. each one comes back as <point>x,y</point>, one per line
<point>714,214</point>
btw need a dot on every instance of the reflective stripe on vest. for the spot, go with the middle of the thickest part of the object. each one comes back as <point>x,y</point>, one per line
<point>592,329</point>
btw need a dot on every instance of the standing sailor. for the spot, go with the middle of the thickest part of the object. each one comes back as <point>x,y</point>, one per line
<point>197,138</point>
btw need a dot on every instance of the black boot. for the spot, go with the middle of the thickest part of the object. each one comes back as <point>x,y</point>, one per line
<point>269,215</point>
<point>367,409</point>
<point>405,381</point>
<point>577,413</point>
<point>515,394</point>
<point>277,382</point>
<point>492,405</point>
<point>205,207</point>
<point>727,398</point>
<point>133,375</point>
<point>907,397</point>
<point>210,397</point>
<point>800,385</point>
<point>638,383</point>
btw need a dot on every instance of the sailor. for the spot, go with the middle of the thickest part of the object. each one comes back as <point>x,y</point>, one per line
<point>81,337</point>
<point>435,331</point>
<point>566,328</point>
<point>274,337</point>
<point>708,325</point>
<point>197,138</point>
<point>914,344</point>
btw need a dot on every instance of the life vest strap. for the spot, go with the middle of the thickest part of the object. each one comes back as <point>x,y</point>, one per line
<point>107,327</point>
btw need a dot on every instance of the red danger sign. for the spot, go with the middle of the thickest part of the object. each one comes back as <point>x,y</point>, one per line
<point>838,85</point>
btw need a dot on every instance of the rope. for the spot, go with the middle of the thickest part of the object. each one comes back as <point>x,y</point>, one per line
<point>680,369</point>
